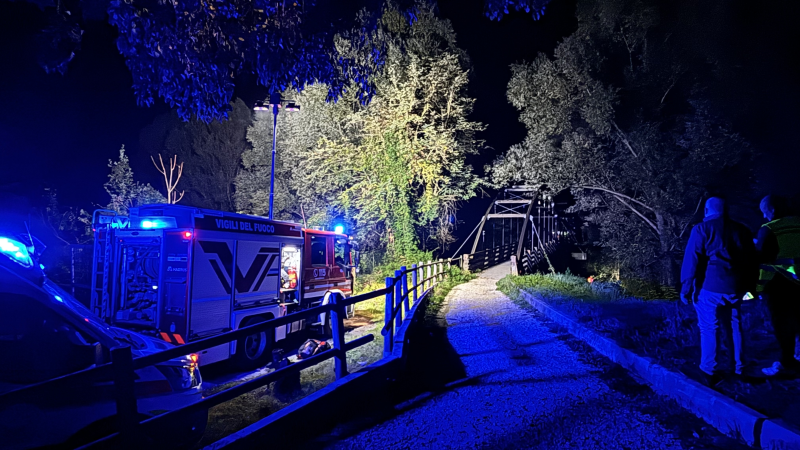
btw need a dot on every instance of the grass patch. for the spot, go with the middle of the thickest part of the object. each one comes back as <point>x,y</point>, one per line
<point>455,276</point>
<point>248,408</point>
<point>551,286</point>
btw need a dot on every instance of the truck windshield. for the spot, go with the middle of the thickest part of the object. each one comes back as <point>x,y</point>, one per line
<point>319,251</point>
<point>340,250</point>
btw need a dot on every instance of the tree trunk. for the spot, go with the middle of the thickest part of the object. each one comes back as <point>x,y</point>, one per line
<point>669,272</point>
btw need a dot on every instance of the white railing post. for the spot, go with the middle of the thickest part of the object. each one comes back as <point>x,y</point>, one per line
<point>430,273</point>
<point>414,282</point>
<point>435,273</point>
<point>389,337</point>
<point>465,262</point>
<point>421,278</point>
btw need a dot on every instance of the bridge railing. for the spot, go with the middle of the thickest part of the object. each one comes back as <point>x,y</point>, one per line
<point>487,258</point>
<point>121,371</point>
<point>531,259</point>
<point>400,296</point>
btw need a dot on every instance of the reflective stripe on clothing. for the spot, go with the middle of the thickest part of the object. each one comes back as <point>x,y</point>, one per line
<point>787,233</point>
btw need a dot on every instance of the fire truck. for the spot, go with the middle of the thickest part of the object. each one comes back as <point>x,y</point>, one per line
<point>181,274</point>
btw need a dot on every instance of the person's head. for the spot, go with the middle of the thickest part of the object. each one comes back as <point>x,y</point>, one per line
<point>714,206</point>
<point>773,207</point>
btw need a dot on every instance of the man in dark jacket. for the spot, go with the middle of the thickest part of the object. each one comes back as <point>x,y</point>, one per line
<point>719,267</point>
<point>778,247</point>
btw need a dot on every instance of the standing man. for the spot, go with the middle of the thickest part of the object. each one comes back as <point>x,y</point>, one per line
<point>719,267</point>
<point>778,247</point>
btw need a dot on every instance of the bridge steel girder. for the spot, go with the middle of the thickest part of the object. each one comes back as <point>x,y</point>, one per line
<point>480,229</point>
<point>517,202</point>
<point>524,229</point>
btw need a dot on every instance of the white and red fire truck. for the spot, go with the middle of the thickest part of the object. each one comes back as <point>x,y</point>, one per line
<point>183,273</point>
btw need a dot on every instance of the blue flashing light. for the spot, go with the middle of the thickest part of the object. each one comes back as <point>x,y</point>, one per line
<point>338,229</point>
<point>152,223</point>
<point>17,251</point>
<point>41,266</point>
<point>59,298</point>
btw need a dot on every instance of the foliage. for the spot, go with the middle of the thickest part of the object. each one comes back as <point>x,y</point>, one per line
<point>496,9</point>
<point>454,276</point>
<point>548,285</point>
<point>393,169</point>
<point>211,153</point>
<point>619,117</point>
<point>193,54</point>
<point>376,279</point>
<point>70,225</point>
<point>125,192</point>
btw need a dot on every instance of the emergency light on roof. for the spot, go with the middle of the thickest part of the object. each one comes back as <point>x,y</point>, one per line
<point>16,251</point>
<point>339,229</point>
<point>151,223</point>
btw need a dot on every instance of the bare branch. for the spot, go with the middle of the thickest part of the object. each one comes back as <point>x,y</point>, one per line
<point>618,194</point>
<point>642,216</point>
<point>688,221</point>
<point>172,196</point>
<point>668,89</point>
<point>624,139</point>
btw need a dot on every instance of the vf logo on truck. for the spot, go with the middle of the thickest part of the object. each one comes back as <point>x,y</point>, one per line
<point>222,264</point>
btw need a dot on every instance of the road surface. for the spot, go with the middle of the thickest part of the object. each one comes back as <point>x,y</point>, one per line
<point>521,383</point>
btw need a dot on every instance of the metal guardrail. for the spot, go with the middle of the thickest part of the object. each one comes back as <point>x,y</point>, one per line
<point>532,258</point>
<point>400,297</point>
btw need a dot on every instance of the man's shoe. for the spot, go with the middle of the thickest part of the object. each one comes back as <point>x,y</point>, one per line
<point>775,369</point>
<point>711,380</point>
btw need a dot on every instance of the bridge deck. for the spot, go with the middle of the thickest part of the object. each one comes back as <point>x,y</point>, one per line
<point>527,386</point>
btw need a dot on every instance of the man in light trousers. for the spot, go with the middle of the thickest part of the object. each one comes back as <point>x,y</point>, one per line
<point>719,268</point>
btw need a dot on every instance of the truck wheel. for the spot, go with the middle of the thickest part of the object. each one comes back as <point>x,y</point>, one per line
<point>327,329</point>
<point>253,351</point>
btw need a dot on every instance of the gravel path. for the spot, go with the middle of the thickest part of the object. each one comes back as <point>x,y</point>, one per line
<point>525,387</point>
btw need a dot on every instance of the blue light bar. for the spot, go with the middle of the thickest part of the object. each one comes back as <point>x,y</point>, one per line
<point>16,250</point>
<point>152,223</point>
<point>339,229</point>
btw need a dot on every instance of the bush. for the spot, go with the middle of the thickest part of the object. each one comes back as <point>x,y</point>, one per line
<point>568,285</point>
<point>550,285</point>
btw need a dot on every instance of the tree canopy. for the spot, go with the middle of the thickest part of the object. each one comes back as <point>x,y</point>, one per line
<point>192,54</point>
<point>620,117</point>
<point>394,169</point>
<point>211,153</point>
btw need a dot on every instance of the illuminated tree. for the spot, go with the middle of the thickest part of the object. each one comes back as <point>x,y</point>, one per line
<point>394,167</point>
<point>125,192</point>
<point>619,117</point>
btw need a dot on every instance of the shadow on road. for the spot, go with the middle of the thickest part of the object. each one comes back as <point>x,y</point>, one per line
<point>432,367</point>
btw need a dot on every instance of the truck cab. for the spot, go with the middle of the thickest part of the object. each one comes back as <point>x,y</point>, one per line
<point>328,265</point>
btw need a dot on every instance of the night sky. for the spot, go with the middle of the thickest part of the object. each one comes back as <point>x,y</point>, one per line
<point>61,130</point>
